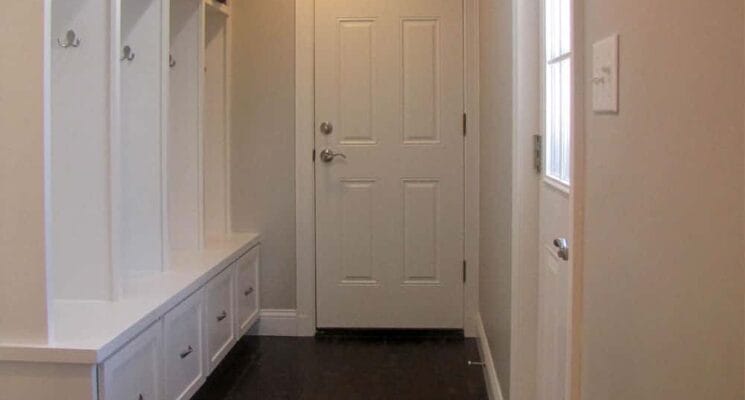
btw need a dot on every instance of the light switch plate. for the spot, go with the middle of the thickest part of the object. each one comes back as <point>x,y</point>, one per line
<point>605,75</point>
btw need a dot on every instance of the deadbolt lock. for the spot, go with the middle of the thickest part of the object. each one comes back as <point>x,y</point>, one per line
<point>327,128</point>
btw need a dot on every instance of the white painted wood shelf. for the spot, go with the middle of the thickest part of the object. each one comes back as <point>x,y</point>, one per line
<point>88,332</point>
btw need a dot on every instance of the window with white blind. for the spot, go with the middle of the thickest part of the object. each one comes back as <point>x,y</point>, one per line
<point>558,83</point>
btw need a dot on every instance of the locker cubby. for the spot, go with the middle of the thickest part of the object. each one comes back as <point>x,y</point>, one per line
<point>138,152</point>
<point>215,139</point>
<point>79,112</point>
<point>185,132</point>
<point>198,164</point>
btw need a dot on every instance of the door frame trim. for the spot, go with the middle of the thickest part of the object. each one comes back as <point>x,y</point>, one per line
<point>305,222</point>
<point>577,203</point>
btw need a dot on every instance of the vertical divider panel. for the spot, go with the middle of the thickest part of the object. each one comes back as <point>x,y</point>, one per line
<point>115,157</point>
<point>228,122</point>
<point>165,39</point>
<point>202,66</point>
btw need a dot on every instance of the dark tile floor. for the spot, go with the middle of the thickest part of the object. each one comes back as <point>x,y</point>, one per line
<point>349,366</point>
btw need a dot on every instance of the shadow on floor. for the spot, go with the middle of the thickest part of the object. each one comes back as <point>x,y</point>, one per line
<point>349,366</point>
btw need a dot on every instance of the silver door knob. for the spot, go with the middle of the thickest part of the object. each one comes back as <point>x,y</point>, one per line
<point>328,155</point>
<point>563,248</point>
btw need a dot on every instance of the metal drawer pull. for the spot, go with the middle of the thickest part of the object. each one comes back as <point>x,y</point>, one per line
<point>248,292</point>
<point>222,316</point>
<point>187,352</point>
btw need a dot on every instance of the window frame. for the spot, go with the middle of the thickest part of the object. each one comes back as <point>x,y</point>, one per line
<point>558,54</point>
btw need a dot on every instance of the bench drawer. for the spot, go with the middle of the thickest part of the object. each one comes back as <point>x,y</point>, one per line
<point>220,316</point>
<point>184,351</point>
<point>247,290</point>
<point>134,372</point>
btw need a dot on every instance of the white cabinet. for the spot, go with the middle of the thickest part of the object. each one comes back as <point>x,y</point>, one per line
<point>184,354</point>
<point>247,290</point>
<point>135,371</point>
<point>165,346</point>
<point>220,316</point>
<point>172,358</point>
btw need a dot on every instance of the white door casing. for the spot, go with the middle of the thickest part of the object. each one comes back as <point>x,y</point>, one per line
<point>389,217</point>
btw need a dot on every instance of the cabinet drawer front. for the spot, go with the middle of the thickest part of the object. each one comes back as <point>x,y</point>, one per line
<point>134,372</point>
<point>184,355</point>
<point>220,316</point>
<point>247,289</point>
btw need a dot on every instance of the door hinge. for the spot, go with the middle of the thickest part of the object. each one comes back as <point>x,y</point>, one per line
<point>538,153</point>
<point>314,155</point>
<point>465,124</point>
<point>465,269</point>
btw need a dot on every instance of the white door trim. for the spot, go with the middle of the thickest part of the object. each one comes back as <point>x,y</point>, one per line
<point>305,220</point>
<point>305,169</point>
<point>577,201</point>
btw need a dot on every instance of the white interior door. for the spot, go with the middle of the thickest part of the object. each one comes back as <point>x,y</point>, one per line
<point>554,285</point>
<point>553,295</point>
<point>389,85</point>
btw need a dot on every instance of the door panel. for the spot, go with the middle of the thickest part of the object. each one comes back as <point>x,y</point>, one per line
<point>356,228</point>
<point>389,78</point>
<point>421,76</point>
<point>356,81</point>
<point>421,211</point>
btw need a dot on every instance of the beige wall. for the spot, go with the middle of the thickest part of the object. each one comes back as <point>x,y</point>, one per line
<point>263,139</point>
<point>22,267</point>
<point>496,179</point>
<point>664,219</point>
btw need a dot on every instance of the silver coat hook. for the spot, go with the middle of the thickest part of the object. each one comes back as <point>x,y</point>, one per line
<point>71,40</point>
<point>171,61</point>
<point>127,54</point>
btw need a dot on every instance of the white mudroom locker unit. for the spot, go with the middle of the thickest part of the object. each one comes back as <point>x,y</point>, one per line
<point>147,286</point>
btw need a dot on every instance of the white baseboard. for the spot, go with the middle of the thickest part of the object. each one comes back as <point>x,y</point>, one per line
<point>490,373</point>
<point>276,323</point>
